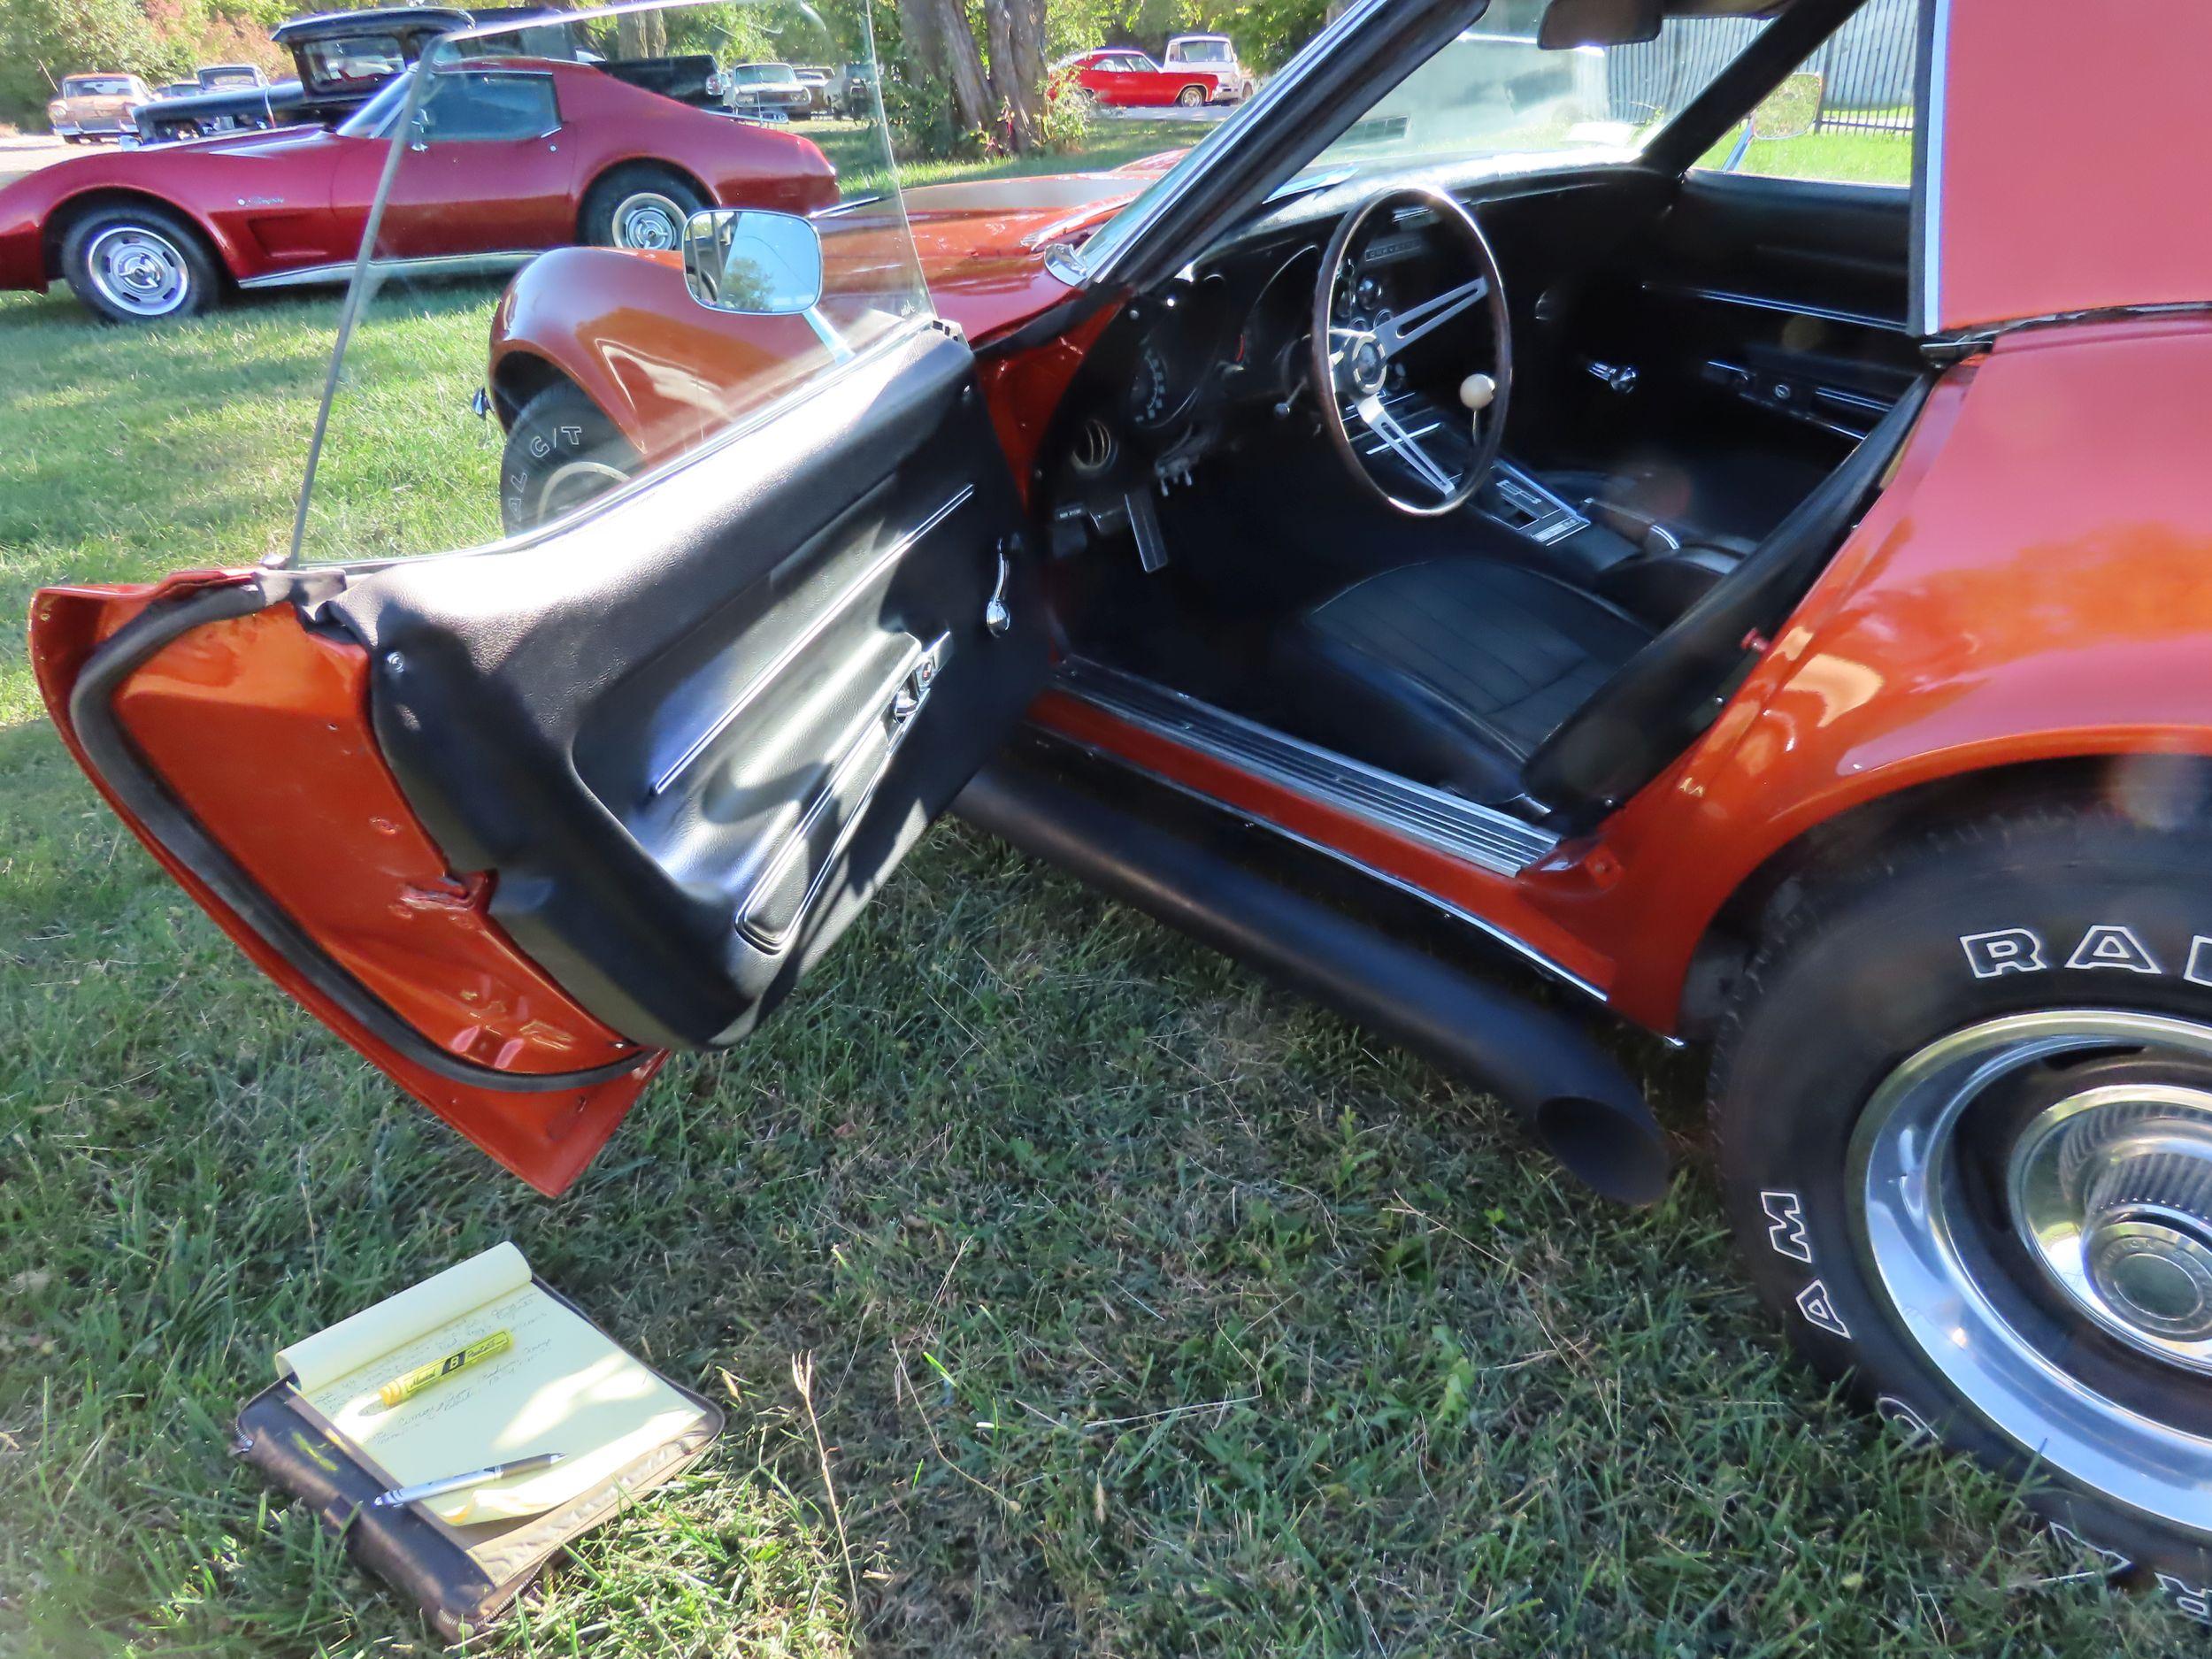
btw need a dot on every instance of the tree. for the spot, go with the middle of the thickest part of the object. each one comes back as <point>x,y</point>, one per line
<point>996,79</point>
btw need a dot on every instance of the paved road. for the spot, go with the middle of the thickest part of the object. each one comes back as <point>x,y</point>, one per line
<point>29,152</point>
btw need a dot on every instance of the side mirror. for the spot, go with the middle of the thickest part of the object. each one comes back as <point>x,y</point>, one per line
<point>757,263</point>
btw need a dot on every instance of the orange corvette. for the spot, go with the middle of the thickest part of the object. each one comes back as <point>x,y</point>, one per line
<point>1460,527</point>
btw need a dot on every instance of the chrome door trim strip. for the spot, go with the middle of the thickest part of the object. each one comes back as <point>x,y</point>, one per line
<point>439,265</point>
<point>807,635</point>
<point>1480,835</point>
<point>1489,929</point>
<point>1791,308</point>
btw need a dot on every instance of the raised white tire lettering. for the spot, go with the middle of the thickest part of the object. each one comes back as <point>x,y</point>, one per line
<point>1786,1211</point>
<point>1813,1302</point>
<point>2108,945</point>
<point>2006,951</point>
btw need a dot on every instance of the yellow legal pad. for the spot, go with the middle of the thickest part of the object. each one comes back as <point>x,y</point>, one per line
<point>564,1387</point>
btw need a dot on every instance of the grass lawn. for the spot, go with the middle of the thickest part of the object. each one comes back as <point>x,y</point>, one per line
<point>1150,1311</point>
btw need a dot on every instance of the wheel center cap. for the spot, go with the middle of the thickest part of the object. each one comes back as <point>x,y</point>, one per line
<point>2154,1274</point>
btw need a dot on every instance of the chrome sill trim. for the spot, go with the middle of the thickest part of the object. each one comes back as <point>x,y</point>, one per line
<point>1481,835</point>
<point>1758,302</point>
<point>1513,942</point>
<point>853,592</point>
<point>441,265</point>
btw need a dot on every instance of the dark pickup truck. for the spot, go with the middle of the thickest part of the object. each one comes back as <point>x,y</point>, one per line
<point>343,57</point>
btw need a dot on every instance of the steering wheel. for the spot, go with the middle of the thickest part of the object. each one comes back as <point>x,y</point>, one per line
<point>1356,352</point>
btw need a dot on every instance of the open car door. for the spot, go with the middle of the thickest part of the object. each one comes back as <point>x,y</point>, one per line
<point>515,821</point>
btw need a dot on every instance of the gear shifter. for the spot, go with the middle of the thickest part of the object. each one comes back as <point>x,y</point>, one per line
<point>1477,392</point>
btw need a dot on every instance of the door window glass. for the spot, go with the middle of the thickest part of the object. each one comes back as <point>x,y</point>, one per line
<point>1847,115</point>
<point>522,340</point>
<point>487,104</point>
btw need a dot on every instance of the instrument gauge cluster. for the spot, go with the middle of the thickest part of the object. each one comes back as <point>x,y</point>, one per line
<point>1175,357</point>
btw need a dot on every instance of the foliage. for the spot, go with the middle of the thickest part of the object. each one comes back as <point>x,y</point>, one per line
<point>41,41</point>
<point>925,127</point>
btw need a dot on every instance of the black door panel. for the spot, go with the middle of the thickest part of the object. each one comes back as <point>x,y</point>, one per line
<point>690,733</point>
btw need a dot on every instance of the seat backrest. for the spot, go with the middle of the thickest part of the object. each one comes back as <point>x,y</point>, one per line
<point>1670,690</point>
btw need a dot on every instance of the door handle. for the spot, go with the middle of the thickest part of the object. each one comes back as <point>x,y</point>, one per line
<point>996,617</point>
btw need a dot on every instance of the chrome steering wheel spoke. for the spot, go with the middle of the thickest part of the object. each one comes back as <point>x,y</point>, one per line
<point>1393,334</point>
<point>1403,444</point>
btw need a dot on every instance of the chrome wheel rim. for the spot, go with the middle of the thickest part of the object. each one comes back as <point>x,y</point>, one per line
<point>649,221</point>
<point>2082,1180</point>
<point>138,270</point>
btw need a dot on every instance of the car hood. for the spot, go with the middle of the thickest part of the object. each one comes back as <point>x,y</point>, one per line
<point>983,244</point>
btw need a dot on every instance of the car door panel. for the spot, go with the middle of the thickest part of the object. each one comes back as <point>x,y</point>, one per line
<point>514,822</point>
<point>1778,301</point>
<point>687,768</point>
<point>234,740</point>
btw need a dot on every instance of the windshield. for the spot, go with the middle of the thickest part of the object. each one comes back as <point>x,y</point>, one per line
<point>1493,93</point>
<point>95,86</point>
<point>370,120</point>
<point>218,78</point>
<point>353,59</point>
<point>1201,52</point>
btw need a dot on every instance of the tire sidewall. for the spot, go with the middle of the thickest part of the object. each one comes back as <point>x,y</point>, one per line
<point>558,426</point>
<point>1854,984</point>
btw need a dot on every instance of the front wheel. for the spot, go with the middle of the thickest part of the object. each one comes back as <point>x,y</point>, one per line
<point>137,264</point>
<point>1192,97</point>
<point>642,208</point>
<point>1963,1109</point>
<point>561,452</point>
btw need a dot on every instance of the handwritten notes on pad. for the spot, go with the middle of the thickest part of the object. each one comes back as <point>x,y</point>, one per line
<point>563,1387</point>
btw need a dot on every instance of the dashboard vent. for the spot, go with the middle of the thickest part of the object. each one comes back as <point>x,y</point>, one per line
<point>1096,447</point>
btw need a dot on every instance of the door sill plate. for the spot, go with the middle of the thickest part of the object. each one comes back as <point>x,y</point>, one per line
<point>1481,835</point>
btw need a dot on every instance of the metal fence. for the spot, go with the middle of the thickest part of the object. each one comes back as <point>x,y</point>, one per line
<point>1866,68</point>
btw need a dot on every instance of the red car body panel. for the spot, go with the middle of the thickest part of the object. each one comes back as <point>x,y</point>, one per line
<point>1138,89</point>
<point>262,730</point>
<point>275,205</point>
<point>2025,221</point>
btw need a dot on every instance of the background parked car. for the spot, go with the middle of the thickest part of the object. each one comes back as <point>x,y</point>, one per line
<point>87,107</point>
<point>817,81</point>
<point>772,90</point>
<point>1122,78</point>
<point>852,90</point>
<point>1217,52</point>
<point>509,156</point>
<point>343,58</point>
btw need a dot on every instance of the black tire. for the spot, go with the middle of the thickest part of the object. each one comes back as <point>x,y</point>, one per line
<point>561,452</point>
<point>639,205</point>
<point>137,263</point>
<point>1192,97</point>
<point>1883,1047</point>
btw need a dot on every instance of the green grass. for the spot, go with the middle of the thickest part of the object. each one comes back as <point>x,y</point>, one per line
<point>1152,1312</point>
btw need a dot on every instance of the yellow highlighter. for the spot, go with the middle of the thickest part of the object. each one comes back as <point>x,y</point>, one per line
<point>402,1389</point>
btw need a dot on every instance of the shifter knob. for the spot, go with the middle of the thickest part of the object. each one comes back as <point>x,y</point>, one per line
<point>1477,392</point>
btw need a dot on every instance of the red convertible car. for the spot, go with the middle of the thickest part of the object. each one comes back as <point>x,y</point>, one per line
<point>1124,79</point>
<point>507,158</point>
<point>1476,569</point>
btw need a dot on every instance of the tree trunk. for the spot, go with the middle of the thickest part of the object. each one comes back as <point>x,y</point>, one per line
<point>642,35</point>
<point>937,32</point>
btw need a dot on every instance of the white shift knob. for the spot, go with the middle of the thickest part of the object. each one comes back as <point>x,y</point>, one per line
<point>1477,392</point>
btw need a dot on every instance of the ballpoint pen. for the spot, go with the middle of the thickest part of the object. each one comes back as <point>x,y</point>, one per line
<point>444,1484</point>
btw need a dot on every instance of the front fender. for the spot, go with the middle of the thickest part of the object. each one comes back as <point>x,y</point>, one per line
<point>623,327</point>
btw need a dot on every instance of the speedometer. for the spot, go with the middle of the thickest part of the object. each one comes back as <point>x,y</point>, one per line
<point>1151,388</point>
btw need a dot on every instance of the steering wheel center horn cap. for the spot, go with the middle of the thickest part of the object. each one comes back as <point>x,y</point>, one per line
<point>2111,1191</point>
